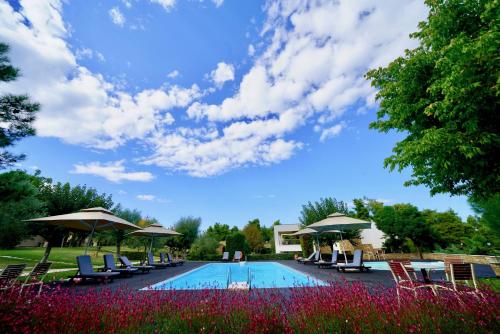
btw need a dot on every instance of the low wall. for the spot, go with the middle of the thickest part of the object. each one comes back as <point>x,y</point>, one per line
<point>480,259</point>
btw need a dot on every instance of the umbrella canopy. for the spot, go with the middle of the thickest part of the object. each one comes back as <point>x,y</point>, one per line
<point>98,219</point>
<point>340,222</point>
<point>154,230</point>
<point>305,231</point>
<point>92,219</point>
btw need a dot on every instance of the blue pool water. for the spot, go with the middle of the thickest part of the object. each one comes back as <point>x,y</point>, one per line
<point>215,276</point>
<point>383,265</point>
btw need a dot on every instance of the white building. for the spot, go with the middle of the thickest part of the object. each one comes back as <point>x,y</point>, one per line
<point>283,242</point>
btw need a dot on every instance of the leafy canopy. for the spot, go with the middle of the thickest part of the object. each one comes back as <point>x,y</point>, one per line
<point>443,95</point>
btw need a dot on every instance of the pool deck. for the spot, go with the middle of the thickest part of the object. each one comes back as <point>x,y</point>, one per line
<point>372,278</point>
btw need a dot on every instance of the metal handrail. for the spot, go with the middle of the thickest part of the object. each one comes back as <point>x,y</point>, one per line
<point>228,277</point>
<point>249,279</point>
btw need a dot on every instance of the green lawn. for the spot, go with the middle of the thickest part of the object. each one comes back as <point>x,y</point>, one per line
<point>493,283</point>
<point>61,257</point>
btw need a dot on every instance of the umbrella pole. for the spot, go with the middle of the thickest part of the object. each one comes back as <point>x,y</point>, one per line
<point>343,249</point>
<point>90,238</point>
<point>151,246</point>
<point>319,247</point>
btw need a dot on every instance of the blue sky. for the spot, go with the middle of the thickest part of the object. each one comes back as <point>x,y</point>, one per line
<point>227,110</point>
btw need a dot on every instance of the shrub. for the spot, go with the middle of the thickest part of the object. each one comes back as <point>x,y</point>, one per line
<point>236,242</point>
<point>204,248</point>
<point>265,257</point>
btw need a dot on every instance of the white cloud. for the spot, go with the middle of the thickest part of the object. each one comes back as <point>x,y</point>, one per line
<point>331,131</point>
<point>127,3</point>
<point>173,74</point>
<point>310,73</point>
<point>224,72</point>
<point>146,197</point>
<point>86,53</point>
<point>122,192</point>
<point>112,171</point>
<point>166,4</point>
<point>251,50</point>
<point>78,106</point>
<point>218,3</point>
<point>116,16</point>
<point>152,198</point>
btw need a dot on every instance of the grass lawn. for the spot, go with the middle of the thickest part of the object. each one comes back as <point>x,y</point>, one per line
<point>493,283</point>
<point>61,257</point>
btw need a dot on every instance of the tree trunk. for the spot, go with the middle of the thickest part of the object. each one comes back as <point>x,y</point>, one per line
<point>47,252</point>
<point>419,251</point>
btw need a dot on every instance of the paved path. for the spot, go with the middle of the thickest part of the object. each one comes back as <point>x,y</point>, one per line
<point>373,278</point>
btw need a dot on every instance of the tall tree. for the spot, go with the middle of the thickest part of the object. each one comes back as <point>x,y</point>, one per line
<point>402,222</point>
<point>218,231</point>
<point>444,96</point>
<point>189,227</point>
<point>132,216</point>
<point>18,200</point>
<point>253,236</point>
<point>17,113</point>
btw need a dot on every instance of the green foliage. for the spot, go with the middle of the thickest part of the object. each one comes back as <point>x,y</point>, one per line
<point>489,209</point>
<point>237,242</point>
<point>253,236</point>
<point>314,212</point>
<point>270,257</point>
<point>361,210</point>
<point>17,113</point>
<point>404,221</point>
<point>118,236</point>
<point>447,227</point>
<point>18,201</point>
<point>189,227</point>
<point>444,96</point>
<point>204,248</point>
<point>218,231</point>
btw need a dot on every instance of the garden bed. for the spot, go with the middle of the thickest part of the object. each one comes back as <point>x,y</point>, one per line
<point>346,308</point>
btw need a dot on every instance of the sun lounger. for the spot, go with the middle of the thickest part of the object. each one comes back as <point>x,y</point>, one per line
<point>109,265</point>
<point>126,263</point>
<point>157,265</point>
<point>10,274</point>
<point>36,276</point>
<point>171,260</point>
<point>225,256</point>
<point>314,257</point>
<point>164,259</point>
<point>86,271</point>
<point>357,263</point>
<point>404,281</point>
<point>237,256</point>
<point>329,264</point>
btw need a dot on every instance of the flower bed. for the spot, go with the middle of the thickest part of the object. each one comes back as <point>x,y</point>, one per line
<point>345,308</point>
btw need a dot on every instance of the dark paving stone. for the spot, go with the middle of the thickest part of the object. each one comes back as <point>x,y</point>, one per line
<point>373,278</point>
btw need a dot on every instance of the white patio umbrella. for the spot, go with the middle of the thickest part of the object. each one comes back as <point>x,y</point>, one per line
<point>340,222</point>
<point>153,231</point>
<point>92,219</point>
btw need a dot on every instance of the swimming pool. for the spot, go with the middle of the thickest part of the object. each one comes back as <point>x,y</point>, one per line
<point>383,265</point>
<point>219,275</point>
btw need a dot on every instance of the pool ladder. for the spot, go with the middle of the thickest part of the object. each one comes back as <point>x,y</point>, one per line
<point>239,285</point>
